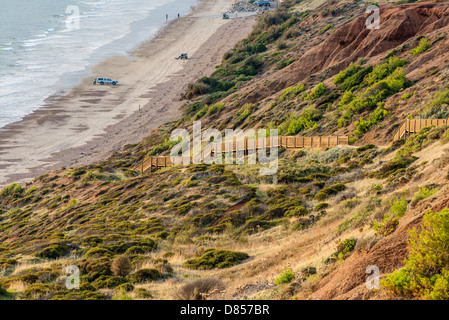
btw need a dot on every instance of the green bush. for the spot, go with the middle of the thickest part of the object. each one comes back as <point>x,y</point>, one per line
<point>422,194</point>
<point>285,277</point>
<point>383,80</point>
<point>422,46</point>
<point>316,92</point>
<point>406,96</point>
<point>54,251</point>
<point>37,291</point>
<point>344,249</point>
<point>354,81</point>
<point>79,295</point>
<point>426,271</point>
<point>390,221</point>
<point>13,190</point>
<point>329,191</point>
<point>165,145</point>
<point>284,206</point>
<point>245,112</point>
<point>321,206</point>
<point>438,107</point>
<point>329,26</point>
<point>364,124</point>
<point>213,258</point>
<point>127,287</point>
<point>135,250</point>
<point>97,252</point>
<point>306,119</point>
<point>286,63</point>
<point>94,268</point>
<point>291,92</point>
<point>144,275</point>
<point>308,271</point>
<point>392,166</point>
<point>108,282</point>
<point>86,286</point>
<point>344,74</point>
<point>347,97</point>
<point>387,225</point>
<point>385,69</point>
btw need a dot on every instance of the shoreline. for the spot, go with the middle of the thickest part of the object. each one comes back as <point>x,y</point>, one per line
<point>88,123</point>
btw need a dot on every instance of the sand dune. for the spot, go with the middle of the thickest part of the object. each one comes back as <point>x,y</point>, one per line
<point>89,122</point>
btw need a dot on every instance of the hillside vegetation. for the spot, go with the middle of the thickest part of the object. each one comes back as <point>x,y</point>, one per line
<point>225,231</point>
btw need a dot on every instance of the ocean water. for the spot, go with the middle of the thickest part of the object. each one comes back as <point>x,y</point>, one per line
<point>45,49</point>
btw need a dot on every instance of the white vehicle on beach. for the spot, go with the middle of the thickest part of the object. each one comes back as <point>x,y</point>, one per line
<point>103,81</point>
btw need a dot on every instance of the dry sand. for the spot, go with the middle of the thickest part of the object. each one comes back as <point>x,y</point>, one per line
<point>89,122</point>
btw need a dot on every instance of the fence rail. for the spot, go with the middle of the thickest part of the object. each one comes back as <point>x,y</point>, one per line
<point>414,125</point>
<point>154,162</point>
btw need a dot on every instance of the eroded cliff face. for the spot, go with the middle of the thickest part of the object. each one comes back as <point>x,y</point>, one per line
<point>353,40</point>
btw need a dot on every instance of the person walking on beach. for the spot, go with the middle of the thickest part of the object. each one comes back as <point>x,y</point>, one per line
<point>166,16</point>
<point>178,15</point>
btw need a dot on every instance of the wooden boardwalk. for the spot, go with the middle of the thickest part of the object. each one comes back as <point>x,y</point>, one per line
<point>152,163</point>
<point>413,126</point>
<point>251,145</point>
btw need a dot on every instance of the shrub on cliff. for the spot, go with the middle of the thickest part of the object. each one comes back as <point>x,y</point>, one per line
<point>330,191</point>
<point>344,250</point>
<point>316,92</point>
<point>285,277</point>
<point>108,282</point>
<point>97,252</point>
<point>13,191</point>
<point>54,251</point>
<point>346,73</point>
<point>144,275</point>
<point>422,46</point>
<point>213,258</point>
<point>94,268</point>
<point>426,271</point>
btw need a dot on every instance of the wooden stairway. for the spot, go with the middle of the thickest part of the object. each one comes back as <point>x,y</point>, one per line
<point>153,163</point>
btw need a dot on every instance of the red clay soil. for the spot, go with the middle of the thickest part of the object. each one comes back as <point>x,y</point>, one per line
<point>348,281</point>
<point>353,41</point>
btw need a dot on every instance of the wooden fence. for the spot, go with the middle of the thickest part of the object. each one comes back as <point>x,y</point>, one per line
<point>247,146</point>
<point>413,126</point>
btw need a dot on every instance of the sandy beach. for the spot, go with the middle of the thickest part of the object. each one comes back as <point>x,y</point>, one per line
<point>89,122</point>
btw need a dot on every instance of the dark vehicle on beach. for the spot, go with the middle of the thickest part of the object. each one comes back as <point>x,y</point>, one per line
<point>103,81</point>
<point>262,3</point>
<point>182,56</point>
